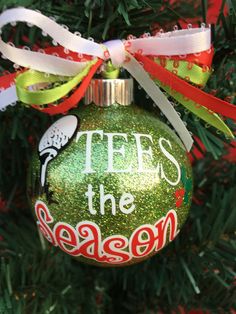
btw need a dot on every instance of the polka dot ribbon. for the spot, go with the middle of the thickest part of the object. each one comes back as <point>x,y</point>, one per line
<point>55,79</point>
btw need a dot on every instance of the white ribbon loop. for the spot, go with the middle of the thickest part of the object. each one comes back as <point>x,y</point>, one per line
<point>172,43</point>
<point>41,62</point>
<point>178,42</point>
<point>61,35</point>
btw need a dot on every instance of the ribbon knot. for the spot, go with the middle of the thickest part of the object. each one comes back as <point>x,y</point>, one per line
<point>159,60</point>
<point>116,51</point>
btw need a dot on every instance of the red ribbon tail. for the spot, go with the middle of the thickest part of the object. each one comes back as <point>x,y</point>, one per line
<point>212,103</point>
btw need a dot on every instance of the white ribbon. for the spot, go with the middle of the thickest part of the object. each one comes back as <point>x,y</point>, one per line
<point>179,42</point>
<point>8,96</point>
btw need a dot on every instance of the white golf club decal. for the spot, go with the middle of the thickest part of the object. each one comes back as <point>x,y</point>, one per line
<point>54,139</point>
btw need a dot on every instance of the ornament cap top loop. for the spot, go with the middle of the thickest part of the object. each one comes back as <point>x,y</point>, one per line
<point>107,92</point>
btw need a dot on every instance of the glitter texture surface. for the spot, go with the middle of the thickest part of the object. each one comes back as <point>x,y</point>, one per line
<point>153,195</point>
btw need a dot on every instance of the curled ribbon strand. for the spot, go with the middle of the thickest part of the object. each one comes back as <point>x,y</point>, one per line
<point>176,45</point>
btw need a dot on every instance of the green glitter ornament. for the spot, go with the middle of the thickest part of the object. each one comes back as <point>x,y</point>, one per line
<point>112,184</point>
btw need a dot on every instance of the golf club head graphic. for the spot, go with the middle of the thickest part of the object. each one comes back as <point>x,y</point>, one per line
<point>57,136</point>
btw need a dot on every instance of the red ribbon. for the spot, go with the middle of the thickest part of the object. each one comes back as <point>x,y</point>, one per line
<point>155,70</point>
<point>7,80</point>
<point>78,94</point>
<point>73,100</point>
<point>204,58</point>
<point>212,103</point>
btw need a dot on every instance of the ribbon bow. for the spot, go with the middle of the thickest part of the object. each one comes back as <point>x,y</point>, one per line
<point>171,60</point>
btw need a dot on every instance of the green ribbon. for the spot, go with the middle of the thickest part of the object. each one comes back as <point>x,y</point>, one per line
<point>185,69</point>
<point>196,76</point>
<point>26,81</point>
<point>42,97</point>
<point>110,71</point>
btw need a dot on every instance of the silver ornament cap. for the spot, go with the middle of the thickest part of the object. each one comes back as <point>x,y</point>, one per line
<point>107,92</point>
